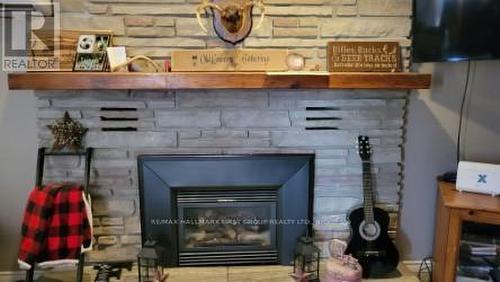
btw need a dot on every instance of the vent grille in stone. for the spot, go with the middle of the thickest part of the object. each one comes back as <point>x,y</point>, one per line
<point>321,118</point>
<point>119,119</point>
<point>349,114</point>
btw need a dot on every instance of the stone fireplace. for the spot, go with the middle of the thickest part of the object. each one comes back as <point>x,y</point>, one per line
<point>325,123</point>
<point>226,209</point>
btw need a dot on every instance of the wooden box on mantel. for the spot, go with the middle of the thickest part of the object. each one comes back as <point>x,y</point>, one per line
<point>67,40</point>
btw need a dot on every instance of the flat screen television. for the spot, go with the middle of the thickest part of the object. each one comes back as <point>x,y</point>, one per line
<point>455,30</point>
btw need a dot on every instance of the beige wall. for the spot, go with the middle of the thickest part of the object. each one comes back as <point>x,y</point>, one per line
<point>429,151</point>
<point>18,138</point>
<point>483,124</point>
<point>433,120</point>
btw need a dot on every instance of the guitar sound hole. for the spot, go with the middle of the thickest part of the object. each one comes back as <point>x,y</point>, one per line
<point>369,231</point>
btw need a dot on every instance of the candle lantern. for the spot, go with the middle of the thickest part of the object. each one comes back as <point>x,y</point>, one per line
<point>306,261</point>
<point>148,263</point>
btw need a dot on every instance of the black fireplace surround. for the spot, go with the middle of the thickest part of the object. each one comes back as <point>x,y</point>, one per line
<point>226,209</point>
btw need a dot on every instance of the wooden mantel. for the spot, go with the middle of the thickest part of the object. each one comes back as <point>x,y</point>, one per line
<point>215,80</point>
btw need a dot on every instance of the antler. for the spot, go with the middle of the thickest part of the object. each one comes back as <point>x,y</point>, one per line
<point>260,4</point>
<point>205,4</point>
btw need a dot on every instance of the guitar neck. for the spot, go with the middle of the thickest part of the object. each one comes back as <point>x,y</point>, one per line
<point>368,192</point>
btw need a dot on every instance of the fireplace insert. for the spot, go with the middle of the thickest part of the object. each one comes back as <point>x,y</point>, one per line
<point>221,225</point>
<point>220,210</point>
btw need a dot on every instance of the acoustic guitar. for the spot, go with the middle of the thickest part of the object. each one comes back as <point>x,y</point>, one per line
<point>370,243</point>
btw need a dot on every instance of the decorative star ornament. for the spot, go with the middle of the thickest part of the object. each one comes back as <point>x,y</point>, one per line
<point>67,133</point>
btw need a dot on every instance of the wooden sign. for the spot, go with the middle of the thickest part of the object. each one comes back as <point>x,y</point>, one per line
<point>229,60</point>
<point>364,57</point>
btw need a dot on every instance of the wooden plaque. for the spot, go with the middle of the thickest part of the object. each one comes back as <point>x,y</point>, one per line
<point>364,57</point>
<point>229,60</point>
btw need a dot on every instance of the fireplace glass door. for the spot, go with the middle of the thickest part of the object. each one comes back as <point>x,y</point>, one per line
<point>219,224</point>
<point>227,226</point>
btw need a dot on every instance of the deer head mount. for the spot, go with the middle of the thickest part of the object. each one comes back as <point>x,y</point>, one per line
<point>232,18</point>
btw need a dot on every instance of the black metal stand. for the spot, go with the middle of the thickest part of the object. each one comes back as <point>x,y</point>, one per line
<point>39,181</point>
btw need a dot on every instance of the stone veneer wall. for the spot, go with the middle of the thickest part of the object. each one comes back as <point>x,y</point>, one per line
<point>232,121</point>
<point>156,27</point>
<point>228,122</point>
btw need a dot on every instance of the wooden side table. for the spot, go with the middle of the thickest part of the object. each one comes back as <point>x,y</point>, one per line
<point>453,208</point>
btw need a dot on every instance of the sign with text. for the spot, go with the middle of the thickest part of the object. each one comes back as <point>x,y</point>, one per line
<point>364,57</point>
<point>229,60</point>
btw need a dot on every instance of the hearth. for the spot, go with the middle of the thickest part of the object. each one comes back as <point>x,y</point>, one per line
<point>220,210</point>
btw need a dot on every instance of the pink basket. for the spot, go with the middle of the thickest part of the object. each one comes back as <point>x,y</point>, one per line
<point>340,267</point>
<point>343,268</point>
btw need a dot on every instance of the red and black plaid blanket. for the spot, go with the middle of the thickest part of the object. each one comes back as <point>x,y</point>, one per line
<point>56,225</point>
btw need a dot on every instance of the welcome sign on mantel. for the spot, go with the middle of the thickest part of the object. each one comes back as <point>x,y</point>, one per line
<point>229,60</point>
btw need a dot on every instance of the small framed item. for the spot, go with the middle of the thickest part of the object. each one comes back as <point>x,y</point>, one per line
<point>117,57</point>
<point>364,56</point>
<point>66,40</point>
<point>91,52</point>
